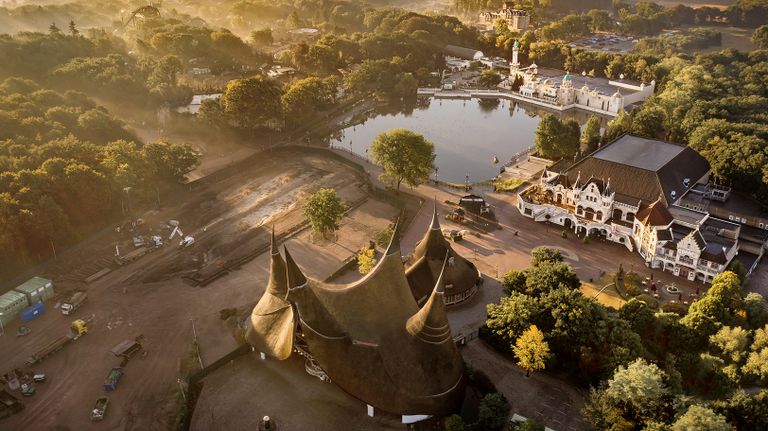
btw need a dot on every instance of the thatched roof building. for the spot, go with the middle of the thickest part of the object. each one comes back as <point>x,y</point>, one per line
<point>461,276</point>
<point>272,320</point>
<point>370,337</point>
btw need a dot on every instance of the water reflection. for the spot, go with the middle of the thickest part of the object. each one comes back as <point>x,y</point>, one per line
<point>467,133</point>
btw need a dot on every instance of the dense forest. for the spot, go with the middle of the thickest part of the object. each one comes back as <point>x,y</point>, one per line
<point>650,367</point>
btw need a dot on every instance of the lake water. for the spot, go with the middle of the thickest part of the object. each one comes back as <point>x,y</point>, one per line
<point>467,133</point>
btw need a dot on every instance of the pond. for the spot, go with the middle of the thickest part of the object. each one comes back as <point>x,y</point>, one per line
<point>467,134</point>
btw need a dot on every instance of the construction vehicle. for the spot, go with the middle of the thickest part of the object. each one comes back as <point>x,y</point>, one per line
<point>28,389</point>
<point>99,409</point>
<point>457,215</point>
<point>126,349</point>
<point>113,378</point>
<point>9,404</point>
<point>77,329</point>
<point>73,303</point>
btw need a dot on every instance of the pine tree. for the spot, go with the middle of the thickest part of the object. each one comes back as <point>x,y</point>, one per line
<point>73,31</point>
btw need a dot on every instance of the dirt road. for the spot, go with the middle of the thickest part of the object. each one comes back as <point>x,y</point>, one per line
<point>149,298</point>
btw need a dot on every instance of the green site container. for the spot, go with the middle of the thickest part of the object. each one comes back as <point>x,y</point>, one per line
<point>11,304</point>
<point>37,289</point>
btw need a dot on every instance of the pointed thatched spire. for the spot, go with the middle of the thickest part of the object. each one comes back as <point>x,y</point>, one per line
<point>430,323</point>
<point>394,242</point>
<point>435,225</point>
<point>295,277</point>
<point>273,243</point>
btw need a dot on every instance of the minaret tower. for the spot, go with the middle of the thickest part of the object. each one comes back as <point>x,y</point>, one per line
<point>515,51</point>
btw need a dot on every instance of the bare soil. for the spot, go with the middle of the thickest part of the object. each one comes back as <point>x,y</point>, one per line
<point>229,218</point>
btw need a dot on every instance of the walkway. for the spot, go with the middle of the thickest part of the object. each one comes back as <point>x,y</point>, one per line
<point>543,398</point>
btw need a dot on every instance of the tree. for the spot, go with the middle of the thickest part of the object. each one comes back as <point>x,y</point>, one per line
<point>366,260</point>
<point>513,315</point>
<point>513,281</point>
<point>541,255</point>
<point>649,122</point>
<point>757,310</point>
<point>251,102</point>
<point>453,423</point>
<point>549,276</point>
<point>757,364</point>
<point>555,139</point>
<point>701,419</point>
<point>760,37</point>
<point>405,157</point>
<point>324,209</point>
<point>492,413</point>
<point>641,387</point>
<point>531,350</point>
<point>73,31</point>
<point>305,97</point>
<point>590,136</point>
<point>738,268</point>
<point>731,343</point>
<point>489,78</point>
<point>262,37</point>
<point>54,30</point>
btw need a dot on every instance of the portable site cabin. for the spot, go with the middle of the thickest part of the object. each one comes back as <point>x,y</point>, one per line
<point>11,304</point>
<point>36,289</point>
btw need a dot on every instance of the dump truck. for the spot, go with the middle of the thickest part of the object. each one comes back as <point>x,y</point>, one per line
<point>99,409</point>
<point>113,378</point>
<point>77,330</point>
<point>73,303</point>
<point>9,404</point>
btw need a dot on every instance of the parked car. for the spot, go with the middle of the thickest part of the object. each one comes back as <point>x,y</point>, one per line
<point>22,331</point>
<point>38,378</point>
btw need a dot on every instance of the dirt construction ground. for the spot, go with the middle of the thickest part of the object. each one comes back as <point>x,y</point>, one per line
<point>229,220</point>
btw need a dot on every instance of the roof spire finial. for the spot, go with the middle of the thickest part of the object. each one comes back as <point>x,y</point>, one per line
<point>273,243</point>
<point>394,241</point>
<point>435,220</point>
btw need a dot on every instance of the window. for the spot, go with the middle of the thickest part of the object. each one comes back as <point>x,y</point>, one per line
<point>730,217</point>
<point>761,225</point>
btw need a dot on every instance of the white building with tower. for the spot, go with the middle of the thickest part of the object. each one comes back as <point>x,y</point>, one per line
<point>562,90</point>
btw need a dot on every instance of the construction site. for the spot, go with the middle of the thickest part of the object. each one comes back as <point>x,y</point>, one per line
<point>142,306</point>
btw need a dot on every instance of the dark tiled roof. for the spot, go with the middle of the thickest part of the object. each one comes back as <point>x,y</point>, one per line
<point>714,252</point>
<point>644,169</point>
<point>664,235</point>
<point>629,200</point>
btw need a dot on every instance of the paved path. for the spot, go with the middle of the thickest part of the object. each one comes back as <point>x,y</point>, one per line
<point>545,399</point>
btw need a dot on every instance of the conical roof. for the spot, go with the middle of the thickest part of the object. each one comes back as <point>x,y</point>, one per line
<point>430,323</point>
<point>272,321</point>
<point>359,334</point>
<point>426,265</point>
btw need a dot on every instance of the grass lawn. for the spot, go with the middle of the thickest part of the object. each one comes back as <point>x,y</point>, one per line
<point>608,297</point>
<point>507,184</point>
